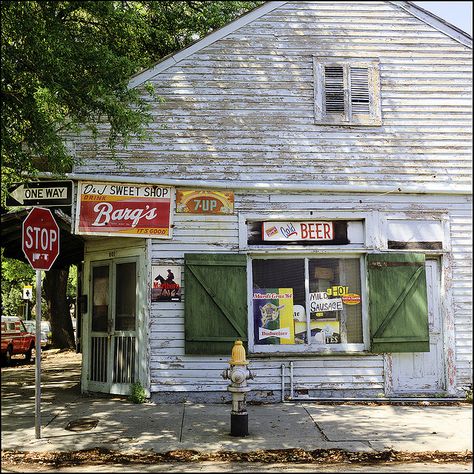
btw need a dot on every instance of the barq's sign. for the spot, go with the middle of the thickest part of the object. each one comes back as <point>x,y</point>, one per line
<point>125,210</point>
<point>301,230</point>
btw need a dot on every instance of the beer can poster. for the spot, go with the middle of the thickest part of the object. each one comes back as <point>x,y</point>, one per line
<point>273,316</point>
<point>166,283</point>
<point>124,210</point>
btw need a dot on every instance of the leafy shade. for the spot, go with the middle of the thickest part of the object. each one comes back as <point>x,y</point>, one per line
<point>66,66</point>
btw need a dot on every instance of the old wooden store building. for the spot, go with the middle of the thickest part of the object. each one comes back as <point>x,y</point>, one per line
<point>308,191</point>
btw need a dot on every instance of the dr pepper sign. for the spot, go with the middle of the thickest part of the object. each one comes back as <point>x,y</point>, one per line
<point>124,210</point>
<point>40,238</point>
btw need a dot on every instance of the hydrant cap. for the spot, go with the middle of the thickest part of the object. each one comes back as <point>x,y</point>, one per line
<point>238,354</point>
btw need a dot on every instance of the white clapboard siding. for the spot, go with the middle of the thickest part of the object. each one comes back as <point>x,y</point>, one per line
<point>243,105</point>
<point>241,110</point>
<point>171,370</point>
<point>461,238</point>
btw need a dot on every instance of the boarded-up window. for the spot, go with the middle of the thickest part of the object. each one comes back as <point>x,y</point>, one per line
<point>347,91</point>
<point>398,307</point>
<point>215,302</point>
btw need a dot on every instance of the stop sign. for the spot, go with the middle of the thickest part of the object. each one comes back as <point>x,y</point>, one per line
<point>40,238</point>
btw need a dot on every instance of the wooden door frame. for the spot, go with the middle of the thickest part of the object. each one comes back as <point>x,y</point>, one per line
<point>114,250</point>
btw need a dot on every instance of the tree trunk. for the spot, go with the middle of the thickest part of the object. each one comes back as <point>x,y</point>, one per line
<point>55,290</point>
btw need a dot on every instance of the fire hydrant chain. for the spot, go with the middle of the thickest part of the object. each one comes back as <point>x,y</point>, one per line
<point>238,374</point>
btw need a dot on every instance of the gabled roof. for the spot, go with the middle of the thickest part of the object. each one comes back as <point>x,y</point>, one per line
<point>172,59</point>
<point>436,22</point>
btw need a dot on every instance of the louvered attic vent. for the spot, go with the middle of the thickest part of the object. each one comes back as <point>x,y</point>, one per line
<point>347,92</point>
<point>360,100</point>
<point>334,89</point>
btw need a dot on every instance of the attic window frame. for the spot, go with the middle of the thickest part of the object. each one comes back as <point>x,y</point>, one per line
<point>373,118</point>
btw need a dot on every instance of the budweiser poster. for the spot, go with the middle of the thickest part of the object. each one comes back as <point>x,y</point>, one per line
<point>273,316</point>
<point>124,210</point>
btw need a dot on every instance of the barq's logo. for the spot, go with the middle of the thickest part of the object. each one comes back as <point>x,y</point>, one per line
<point>106,213</point>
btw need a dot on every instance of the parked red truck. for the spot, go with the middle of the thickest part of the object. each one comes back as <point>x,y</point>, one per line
<point>16,339</point>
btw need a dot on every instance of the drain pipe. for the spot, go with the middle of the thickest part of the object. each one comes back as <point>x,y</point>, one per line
<point>282,382</point>
<point>291,381</point>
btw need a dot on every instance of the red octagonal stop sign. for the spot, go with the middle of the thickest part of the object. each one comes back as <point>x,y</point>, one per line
<point>40,238</point>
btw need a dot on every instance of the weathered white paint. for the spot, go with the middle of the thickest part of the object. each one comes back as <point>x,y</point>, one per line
<point>167,329</point>
<point>245,103</point>
<point>239,114</point>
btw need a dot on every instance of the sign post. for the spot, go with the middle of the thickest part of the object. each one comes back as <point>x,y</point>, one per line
<point>40,244</point>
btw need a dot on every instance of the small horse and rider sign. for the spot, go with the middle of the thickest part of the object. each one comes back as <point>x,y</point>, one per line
<point>166,283</point>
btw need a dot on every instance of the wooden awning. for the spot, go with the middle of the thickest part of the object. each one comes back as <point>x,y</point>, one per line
<point>71,250</point>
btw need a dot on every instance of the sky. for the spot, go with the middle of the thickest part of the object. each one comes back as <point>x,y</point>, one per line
<point>457,13</point>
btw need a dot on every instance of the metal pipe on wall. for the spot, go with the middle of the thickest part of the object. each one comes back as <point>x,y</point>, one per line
<point>282,382</point>
<point>291,380</point>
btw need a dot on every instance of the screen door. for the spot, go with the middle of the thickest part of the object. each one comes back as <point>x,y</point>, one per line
<point>113,351</point>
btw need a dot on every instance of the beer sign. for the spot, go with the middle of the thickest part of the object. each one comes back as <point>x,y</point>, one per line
<point>296,231</point>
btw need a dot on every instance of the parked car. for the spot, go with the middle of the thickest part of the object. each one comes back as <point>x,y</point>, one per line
<point>16,339</point>
<point>45,331</point>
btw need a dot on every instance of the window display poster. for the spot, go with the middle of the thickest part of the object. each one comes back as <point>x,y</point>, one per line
<point>166,283</point>
<point>273,316</point>
<point>326,332</point>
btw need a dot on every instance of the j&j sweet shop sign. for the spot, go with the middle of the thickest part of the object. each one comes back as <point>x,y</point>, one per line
<point>126,210</point>
<point>301,230</point>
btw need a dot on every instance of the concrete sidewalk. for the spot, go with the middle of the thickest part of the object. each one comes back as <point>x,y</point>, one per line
<point>71,421</point>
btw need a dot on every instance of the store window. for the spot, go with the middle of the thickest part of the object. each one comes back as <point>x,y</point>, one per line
<point>307,301</point>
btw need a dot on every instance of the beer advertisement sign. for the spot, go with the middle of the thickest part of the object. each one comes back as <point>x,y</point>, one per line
<point>124,210</point>
<point>297,231</point>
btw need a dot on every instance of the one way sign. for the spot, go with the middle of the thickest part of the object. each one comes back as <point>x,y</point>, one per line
<point>40,193</point>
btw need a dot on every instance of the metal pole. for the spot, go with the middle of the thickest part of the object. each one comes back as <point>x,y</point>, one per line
<point>38,357</point>
<point>282,382</point>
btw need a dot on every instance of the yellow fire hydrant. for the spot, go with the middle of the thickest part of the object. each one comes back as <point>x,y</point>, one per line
<point>238,374</point>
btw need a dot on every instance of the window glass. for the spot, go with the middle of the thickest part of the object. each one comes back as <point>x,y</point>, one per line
<point>125,297</point>
<point>334,301</point>
<point>281,298</point>
<point>100,298</point>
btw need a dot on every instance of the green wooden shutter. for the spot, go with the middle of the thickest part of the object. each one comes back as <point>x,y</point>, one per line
<point>215,302</point>
<point>398,307</point>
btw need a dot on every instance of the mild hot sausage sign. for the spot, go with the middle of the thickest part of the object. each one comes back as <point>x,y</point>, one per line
<point>127,210</point>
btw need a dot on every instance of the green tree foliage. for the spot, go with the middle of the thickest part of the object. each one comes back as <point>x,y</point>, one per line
<point>66,64</point>
<point>15,275</point>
